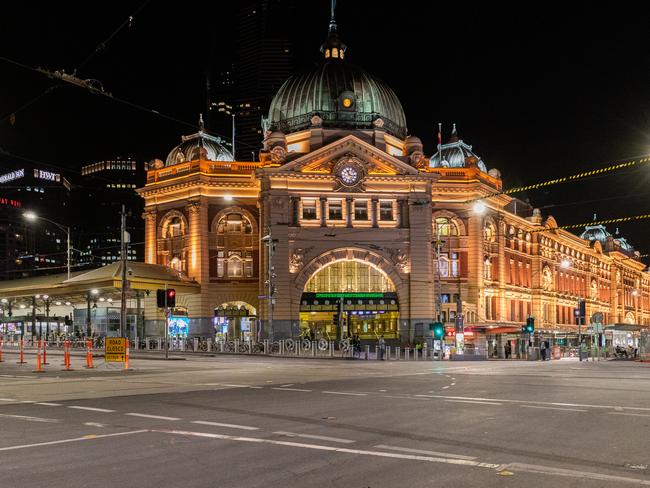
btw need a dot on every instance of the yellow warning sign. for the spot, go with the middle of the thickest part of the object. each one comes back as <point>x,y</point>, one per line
<point>115,349</point>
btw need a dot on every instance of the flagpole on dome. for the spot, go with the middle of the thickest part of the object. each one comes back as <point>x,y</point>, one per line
<point>440,143</point>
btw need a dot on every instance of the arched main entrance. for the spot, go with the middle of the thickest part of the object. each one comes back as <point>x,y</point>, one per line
<point>349,297</point>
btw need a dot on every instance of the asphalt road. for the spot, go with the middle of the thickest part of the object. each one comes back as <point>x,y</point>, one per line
<point>269,422</point>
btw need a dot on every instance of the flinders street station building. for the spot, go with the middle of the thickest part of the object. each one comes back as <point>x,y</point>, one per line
<point>346,227</point>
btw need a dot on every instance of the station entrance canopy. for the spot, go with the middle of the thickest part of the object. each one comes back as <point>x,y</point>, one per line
<point>107,280</point>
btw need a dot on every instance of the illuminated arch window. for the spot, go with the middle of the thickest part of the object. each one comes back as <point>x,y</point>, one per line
<point>349,276</point>
<point>327,53</point>
<point>445,227</point>
<point>489,234</point>
<point>335,52</point>
<point>234,246</point>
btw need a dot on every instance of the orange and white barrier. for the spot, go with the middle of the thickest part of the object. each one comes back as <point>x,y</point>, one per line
<point>22,351</point>
<point>39,366</point>
<point>2,343</point>
<point>126,354</point>
<point>89,354</point>
<point>45,353</point>
<point>66,356</point>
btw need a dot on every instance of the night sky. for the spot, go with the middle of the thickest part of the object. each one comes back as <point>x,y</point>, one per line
<point>540,90</point>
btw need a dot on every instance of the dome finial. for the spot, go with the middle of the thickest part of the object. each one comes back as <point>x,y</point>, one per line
<point>595,217</point>
<point>454,134</point>
<point>201,124</point>
<point>333,48</point>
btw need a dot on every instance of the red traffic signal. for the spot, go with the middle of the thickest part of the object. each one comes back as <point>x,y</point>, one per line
<point>171,297</point>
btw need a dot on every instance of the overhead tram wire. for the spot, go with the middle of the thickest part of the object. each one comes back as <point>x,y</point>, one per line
<point>88,85</point>
<point>628,163</point>
<point>30,102</point>
<point>102,45</point>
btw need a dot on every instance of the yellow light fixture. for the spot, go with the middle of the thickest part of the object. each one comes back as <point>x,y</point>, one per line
<point>347,103</point>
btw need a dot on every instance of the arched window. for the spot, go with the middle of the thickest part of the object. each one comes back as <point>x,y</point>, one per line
<point>487,268</point>
<point>448,264</point>
<point>445,227</point>
<point>234,246</point>
<point>349,276</point>
<point>335,52</point>
<point>176,264</point>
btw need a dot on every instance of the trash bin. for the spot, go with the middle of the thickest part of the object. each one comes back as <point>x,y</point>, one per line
<point>533,353</point>
<point>584,355</point>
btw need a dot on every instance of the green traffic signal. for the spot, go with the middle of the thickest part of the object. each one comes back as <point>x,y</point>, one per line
<point>438,330</point>
<point>530,325</point>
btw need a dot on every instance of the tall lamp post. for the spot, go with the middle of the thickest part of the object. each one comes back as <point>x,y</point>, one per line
<point>32,216</point>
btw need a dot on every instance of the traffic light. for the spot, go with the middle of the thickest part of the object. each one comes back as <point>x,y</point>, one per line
<point>171,298</point>
<point>530,325</point>
<point>438,330</point>
<point>160,298</point>
<point>581,312</point>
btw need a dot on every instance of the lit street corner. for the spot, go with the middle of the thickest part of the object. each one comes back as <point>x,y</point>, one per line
<point>237,421</point>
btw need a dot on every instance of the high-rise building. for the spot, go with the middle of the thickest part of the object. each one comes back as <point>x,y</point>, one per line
<point>109,184</point>
<point>37,246</point>
<point>263,62</point>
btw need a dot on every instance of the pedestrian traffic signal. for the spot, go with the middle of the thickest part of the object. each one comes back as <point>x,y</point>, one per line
<point>160,298</point>
<point>438,330</point>
<point>171,298</point>
<point>530,325</point>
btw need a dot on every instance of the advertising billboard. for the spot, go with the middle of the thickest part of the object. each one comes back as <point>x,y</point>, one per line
<point>178,326</point>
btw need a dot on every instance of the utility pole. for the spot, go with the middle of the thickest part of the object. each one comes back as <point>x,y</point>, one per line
<point>270,273</point>
<point>124,241</point>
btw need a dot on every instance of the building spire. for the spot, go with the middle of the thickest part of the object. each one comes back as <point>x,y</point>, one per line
<point>454,135</point>
<point>333,47</point>
<point>201,124</point>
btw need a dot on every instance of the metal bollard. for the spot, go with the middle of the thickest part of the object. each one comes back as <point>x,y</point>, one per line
<point>236,345</point>
<point>331,349</point>
<point>368,352</point>
<point>298,345</point>
<point>282,348</point>
<point>196,344</point>
<point>407,353</point>
<point>313,349</point>
<point>210,344</point>
<point>159,343</point>
<point>415,353</point>
<point>266,347</point>
<point>398,353</point>
<point>221,346</point>
<point>387,353</point>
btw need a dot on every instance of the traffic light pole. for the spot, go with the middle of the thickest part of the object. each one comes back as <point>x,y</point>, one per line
<point>166,326</point>
<point>123,325</point>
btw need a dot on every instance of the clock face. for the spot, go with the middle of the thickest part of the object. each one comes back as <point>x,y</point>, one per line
<point>349,175</point>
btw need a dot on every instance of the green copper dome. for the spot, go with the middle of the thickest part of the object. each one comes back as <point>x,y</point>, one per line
<point>342,95</point>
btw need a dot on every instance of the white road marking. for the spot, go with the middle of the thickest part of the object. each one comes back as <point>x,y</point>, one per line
<point>256,387</point>
<point>237,386</point>
<point>8,400</point>
<point>344,450</point>
<point>94,424</point>
<point>453,384</point>
<point>445,387</point>
<point>344,393</point>
<point>570,473</point>
<point>558,404</point>
<point>383,391</point>
<point>157,417</point>
<point>289,389</point>
<point>75,439</point>
<point>319,437</point>
<point>92,409</point>
<point>555,408</point>
<point>630,414</point>
<point>229,426</point>
<point>48,404</point>
<point>288,384</point>
<point>28,418</point>
<point>420,451</point>
<point>474,401</point>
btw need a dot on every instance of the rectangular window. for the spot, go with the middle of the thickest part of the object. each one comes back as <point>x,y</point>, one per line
<point>443,265</point>
<point>385,210</point>
<point>454,264</point>
<point>309,209</point>
<point>335,209</point>
<point>361,210</point>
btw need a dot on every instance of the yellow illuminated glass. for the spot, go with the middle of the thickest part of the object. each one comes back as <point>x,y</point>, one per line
<point>347,102</point>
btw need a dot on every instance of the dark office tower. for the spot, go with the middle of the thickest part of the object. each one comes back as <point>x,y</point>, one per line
<point>263,63</point>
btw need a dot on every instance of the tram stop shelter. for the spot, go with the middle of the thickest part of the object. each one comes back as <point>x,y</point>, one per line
<point>31,304</point>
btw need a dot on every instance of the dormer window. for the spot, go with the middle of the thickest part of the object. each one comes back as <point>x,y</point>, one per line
<point>335,52</point>
<point>327,53</point>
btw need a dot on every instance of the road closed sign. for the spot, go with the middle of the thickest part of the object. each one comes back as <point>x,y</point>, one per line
<point>115,349</point>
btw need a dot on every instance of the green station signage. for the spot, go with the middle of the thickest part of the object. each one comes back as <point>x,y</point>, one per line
<point>349,295</point>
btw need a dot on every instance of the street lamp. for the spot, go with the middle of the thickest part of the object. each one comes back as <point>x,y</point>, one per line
<point>29,215</point>
<point>479,208</point>
<point>565,264</point>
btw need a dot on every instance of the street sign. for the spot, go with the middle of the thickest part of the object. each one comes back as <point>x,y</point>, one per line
<point>115,350</point>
